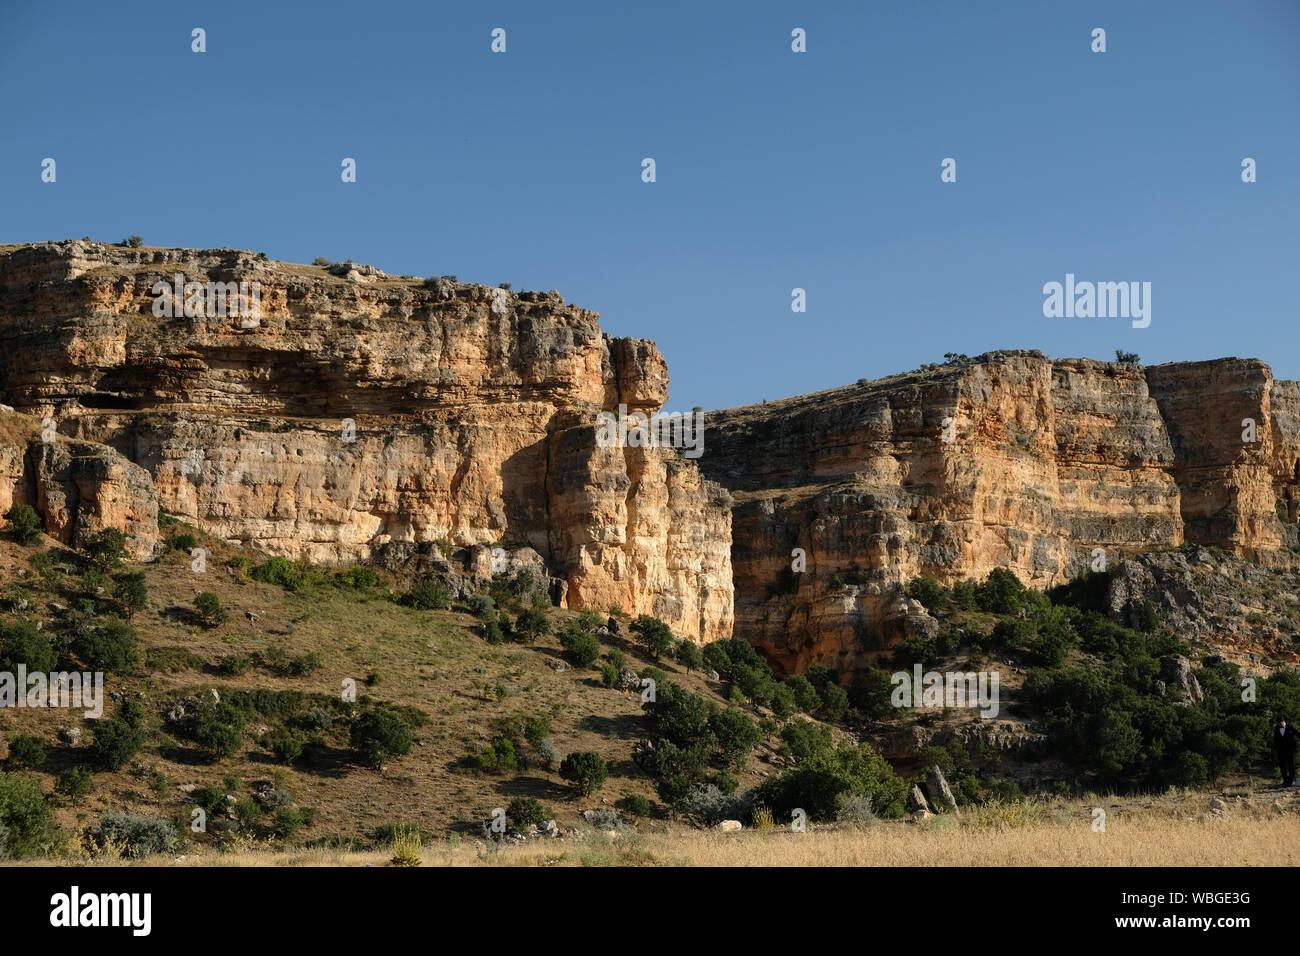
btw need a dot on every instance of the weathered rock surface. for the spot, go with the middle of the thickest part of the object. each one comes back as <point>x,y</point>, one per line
<point>941,797</point>
<point>79,487</point>
<point>1008,460</point>
<point>356,414</point>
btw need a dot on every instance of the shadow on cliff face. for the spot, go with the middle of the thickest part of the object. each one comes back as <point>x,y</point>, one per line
<point>524,511</point>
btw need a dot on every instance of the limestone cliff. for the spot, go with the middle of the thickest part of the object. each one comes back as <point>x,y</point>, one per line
<point>368,416</point>
<point>1009,460</point>
<point>360,409</point>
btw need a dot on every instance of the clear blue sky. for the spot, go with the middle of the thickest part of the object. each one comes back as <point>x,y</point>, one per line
<point>775,170</point>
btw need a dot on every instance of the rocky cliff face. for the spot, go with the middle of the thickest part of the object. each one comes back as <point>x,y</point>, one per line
<point>1010,460</point>
<point>360,410</point>
<point>79,487</point>
<point>368,416</point>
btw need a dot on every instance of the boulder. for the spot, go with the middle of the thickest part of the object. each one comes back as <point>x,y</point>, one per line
<point>729,826</point>
<point>1176,671</point>
<point>918,799</point>
<point>941,797</point>
<point>182,709</point>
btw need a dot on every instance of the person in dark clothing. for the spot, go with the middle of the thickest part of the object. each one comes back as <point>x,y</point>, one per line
<point>1284,746</point>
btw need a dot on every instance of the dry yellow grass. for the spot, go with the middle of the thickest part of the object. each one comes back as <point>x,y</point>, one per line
<point>1172,831</point>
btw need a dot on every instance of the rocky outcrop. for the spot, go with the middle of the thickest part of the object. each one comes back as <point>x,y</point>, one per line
<point>363,416</point>
<point>78,487</point>
<point>1234,460</point>
<point>361,410</point>
<point>1008,460</point>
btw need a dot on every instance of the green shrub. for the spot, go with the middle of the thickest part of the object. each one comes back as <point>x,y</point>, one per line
<point>655,635</point>
<point>782,701</point>
<point>172,659</point>
<point>806,697</point>
<point>580,648</point>
<point>736,735</point>
<point>679,716</point>
<point>26,825</point>
<point>870,693</point>
<point>26,752</point>
<point>805,739</point>
<point>533,623</point>
<point>547,752</point>
<point>379,734</point>
<point>289,820</point>
<point>232,665</point>
<point>930,593</point>
<point>482,606</point>
<point>708,805</point>
<point>635,804</point>
<point>281,571</point>
<point>44,567</point>
<point>428,594</point>
<point>286,745</point>
<point>74,783</point>
<point>536,729</point>
<point>138,836</point>
<point>115,741</point>
<point>111,647</point>
<point>817,784</point>
<point>499,757</point>
<point>21,643</point>
<point>492,632</point>
<point>617,658</point>
<point>93,579</point>
<point>209,608</point>
<point>211,799</point>
<point>835,703</point>
<point>185,542</point>
<point>1001,592</point>
<point>359,577</point>
<point>158,783</point>
<point>523,812</point>
<point>131,712</point>
<point>247,812</point>
<point>302,665</point>
<point>218,729</point>
<point>25,524</point>
<point>586,770</point>
<point>240,565</point>
<point>130,592</point>
<point>107,548</point>
<point>962,595</point>
<point>689,655</point>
